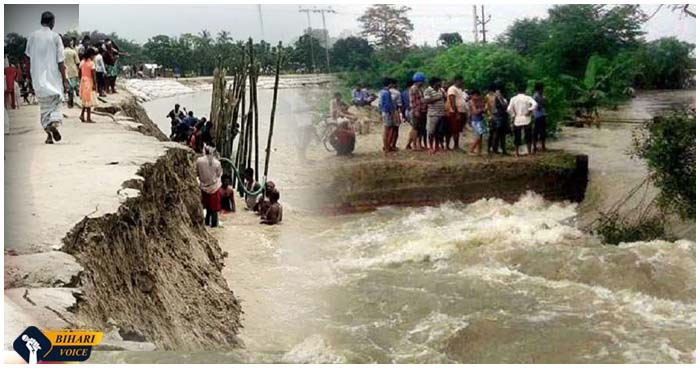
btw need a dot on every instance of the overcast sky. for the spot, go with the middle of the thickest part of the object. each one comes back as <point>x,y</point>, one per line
<point>285,22</point>
<point>25,19</point>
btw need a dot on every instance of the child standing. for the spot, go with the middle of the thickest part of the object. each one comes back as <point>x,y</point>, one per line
<point>87,85</point>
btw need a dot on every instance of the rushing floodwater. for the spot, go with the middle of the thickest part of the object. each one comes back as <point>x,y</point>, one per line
<point>485,282</point>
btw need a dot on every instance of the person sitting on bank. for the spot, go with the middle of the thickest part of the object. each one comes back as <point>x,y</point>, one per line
<point>338,108</point>
<point>228,204</point>
<point>273,215</point>
<point>343,138</point>
<point>209,172</point>
<point>362,97</point>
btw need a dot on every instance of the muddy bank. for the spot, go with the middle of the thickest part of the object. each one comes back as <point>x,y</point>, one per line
<point>122,247</point>
<point>416,179</point>
<point>152,268</point>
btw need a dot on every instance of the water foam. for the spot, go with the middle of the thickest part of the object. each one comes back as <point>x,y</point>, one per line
<point>431,234</point>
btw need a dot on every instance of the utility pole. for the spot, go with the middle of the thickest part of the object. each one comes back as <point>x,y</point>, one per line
<point>325,33</point>
<point>476,24</point>
<point>262,27</point>
<point>481,21</point>
<point>311,42</point>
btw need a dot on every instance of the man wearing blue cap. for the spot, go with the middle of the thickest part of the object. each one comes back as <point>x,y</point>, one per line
<point>417,137</point>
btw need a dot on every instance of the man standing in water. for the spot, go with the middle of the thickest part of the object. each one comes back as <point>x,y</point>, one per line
<point>47,74</point>
<point>209,172</point>
<point>540,118</point>
<point>273,215</point>
<point>520,107</point>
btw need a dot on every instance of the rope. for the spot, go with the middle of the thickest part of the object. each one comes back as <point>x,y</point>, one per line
<point>243,189</point>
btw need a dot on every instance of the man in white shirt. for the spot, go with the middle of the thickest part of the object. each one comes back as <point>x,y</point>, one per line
<point>520,108</point>
<point>47,74</point>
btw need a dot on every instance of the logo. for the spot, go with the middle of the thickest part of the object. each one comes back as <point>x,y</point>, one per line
<point>35,345</point>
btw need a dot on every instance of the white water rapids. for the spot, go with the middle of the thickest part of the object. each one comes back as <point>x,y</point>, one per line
<point>487,282</point>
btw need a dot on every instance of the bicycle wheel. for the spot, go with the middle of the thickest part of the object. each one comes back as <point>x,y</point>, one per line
<point>327,131</point>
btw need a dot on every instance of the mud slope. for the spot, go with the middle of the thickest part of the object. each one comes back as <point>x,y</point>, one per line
<point>152,269</point>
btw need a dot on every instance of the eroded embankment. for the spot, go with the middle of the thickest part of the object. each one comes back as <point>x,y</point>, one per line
<point>152,269</point>
<point>366,184</point>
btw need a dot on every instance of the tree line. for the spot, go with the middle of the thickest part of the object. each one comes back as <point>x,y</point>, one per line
<point>585,52</point>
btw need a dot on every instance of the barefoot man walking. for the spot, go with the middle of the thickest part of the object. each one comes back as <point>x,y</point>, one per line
<point>44,56</point>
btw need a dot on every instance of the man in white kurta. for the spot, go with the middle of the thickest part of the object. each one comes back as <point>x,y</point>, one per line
<point>45,57</point>
<point>520,108</point>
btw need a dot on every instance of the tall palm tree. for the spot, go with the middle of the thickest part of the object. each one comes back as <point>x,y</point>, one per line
<point>223,37</point>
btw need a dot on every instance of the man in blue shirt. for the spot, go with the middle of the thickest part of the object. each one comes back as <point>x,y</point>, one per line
<point>540,117</point>
<point>387,109</point>
<point>361,97</point>
<point>190,120</point>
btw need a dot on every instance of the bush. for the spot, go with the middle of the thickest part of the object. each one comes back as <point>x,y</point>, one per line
<point>667,144</point>
<point>481,66</point>
<point>613,229</point>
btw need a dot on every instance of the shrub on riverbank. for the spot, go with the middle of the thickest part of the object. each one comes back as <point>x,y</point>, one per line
<point>667,144</point>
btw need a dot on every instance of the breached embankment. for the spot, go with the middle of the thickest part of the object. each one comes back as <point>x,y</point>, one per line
<point>417,179</point>
<point>152,269</point>
<point>104,230</point>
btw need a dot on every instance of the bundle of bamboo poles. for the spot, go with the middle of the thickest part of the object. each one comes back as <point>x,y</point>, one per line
<point>228,103</point>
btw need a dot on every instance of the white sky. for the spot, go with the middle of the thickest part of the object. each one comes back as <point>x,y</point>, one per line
<point>25,19</point>
<point>286,23</point>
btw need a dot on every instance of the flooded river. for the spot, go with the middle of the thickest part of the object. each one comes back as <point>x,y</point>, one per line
<point>484,282</point>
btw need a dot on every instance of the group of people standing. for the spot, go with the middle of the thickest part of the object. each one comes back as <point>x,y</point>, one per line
<point>438,112</point>
<point>58,69</point>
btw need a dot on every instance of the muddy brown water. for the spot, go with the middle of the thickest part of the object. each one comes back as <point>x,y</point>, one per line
<point>484,282</point>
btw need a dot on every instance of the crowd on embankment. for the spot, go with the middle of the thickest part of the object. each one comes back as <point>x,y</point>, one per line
<point>439,111</point>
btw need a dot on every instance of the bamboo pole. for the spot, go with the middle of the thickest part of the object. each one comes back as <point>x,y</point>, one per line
<point>254,96</point>
<point>274,107</point>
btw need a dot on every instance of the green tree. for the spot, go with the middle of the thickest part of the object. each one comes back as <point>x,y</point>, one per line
<point>525,35</point>
<point>15,44</point>
<point>162,50</point>
<point>668,146</point>
<point>387,26</point>
<point>665,63</point>
<point>351,53</point>
<point>576,32</point>
<point>450,39</point>
<point>308,52</point>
